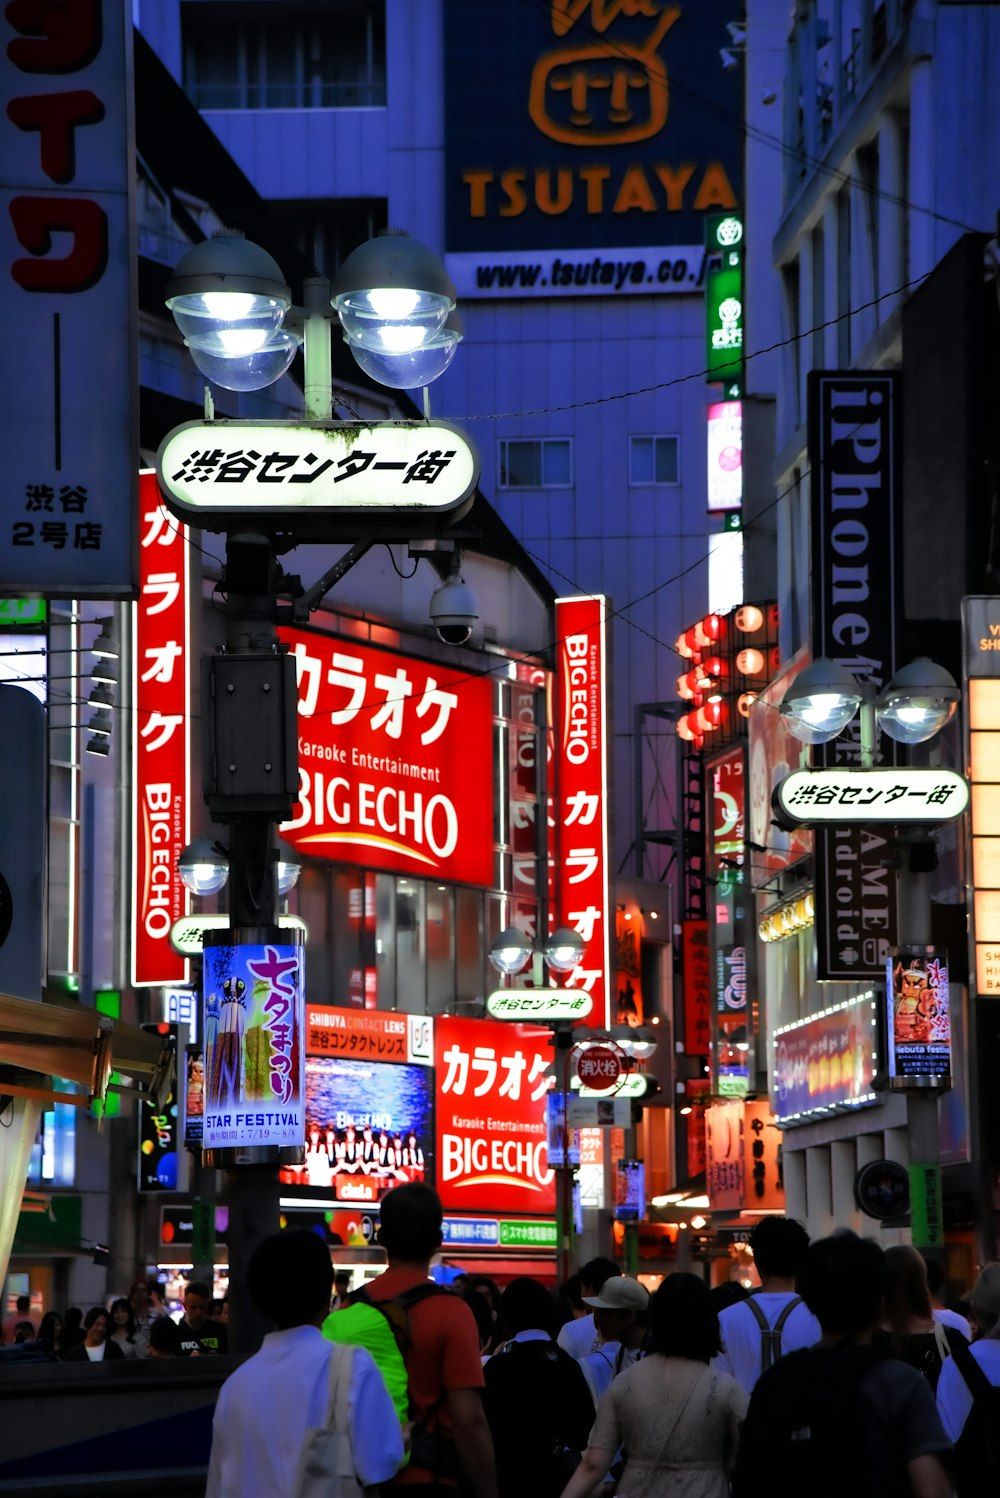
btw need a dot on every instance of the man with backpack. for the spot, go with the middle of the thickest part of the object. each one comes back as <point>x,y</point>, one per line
<point>537,1401</point>
<point>425,1343</point>
<point>774,1320</point>
<point>968,1393</point>
<point>841,1416</point>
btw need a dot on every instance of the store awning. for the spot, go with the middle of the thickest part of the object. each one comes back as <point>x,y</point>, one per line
<point>44,1040</point>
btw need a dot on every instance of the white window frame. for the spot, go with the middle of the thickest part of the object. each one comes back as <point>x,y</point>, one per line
<point>653,483</point>
<point>542,442</point>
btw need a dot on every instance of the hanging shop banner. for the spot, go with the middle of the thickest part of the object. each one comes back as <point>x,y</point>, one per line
<point>161,740</point>
<point>697,988</point>
<point>855,460</point>
<point>254,1012</point>
<point>725,455</point>
<point>577,177</point>
<point>981,635</point>
<point>725,1151</point>
<point>159,1152</point>
<point>194,1102</point>
<point>774,753</point>
<point>68,300</point>
<point>492,1134</point>
<point>582,794</point>
<point>763,1181</point>
<point>369,1103</point>
<point>729,928</point>
<point>918,1018</point>
<point>630,1190</point>
<point>826,1064</point>
<point>628,962</point>
<point>385,745</point>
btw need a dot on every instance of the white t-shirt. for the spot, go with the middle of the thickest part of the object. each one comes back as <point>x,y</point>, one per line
<point>580,1337</point>
<point>952,1318</point>
<point>741,1335</point>
<point>95,1354</point>
<point>266,1407</point>
<point>953,1398</point>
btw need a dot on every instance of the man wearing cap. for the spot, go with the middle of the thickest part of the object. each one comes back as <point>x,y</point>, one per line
<point>954,1396</point>
<point>620,1318</point>
<point>580,1338</point>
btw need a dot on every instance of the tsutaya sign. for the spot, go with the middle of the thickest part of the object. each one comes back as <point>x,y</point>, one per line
<point>161,740</point>
<point>385,745</point>
<point>581,793</point>
<point>211,472</point>
<point>814,798</point>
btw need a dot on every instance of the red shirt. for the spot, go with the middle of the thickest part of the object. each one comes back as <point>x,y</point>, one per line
<point>444,1354</point>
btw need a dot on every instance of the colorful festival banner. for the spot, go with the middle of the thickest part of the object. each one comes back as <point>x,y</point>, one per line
<point>254,1011</point>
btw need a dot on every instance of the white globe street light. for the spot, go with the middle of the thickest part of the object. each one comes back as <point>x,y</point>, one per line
<point>821,701</point>
<point>203,867</point>
<point>918,702</point>
<point>287,867</point>
<point>510,952</point>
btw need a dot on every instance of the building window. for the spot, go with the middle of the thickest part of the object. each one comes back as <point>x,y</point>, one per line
<point>654,460</point>
<point>536,463</point>
<point>285,56</point>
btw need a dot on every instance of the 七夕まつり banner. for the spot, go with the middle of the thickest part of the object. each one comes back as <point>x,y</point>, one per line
<point>254,1012</point>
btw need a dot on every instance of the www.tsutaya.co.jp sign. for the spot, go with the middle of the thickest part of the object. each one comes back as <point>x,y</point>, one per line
<point>581,792</point>
<point>541,1005</point>
<point>161,739</point>
<point>210,471</point>
<point>812,798</point>
<point>67,299</point>
<point>386,745</point>
<point>254,1012</point>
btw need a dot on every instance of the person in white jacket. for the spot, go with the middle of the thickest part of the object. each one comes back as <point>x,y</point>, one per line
<point>267,1407</point>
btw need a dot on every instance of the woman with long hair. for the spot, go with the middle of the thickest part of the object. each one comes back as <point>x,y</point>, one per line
<point>909,1330</point>
<point>122,1331</point>
<point>675,1417</point>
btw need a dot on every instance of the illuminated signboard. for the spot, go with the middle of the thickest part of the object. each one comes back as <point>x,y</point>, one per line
<point>369,1103</point>
<point>815,798</point>
<point>724,324</point>
<point>827,1063</point>
<point>577,162</point>
<point>211,472</point>
<point>918,1018</point>
<point>159,1154</point>
<point>386,742</point>
<point>541,1006</point>
<point>254,1009</point>
<point>68,300</point>
<point>492,1132</point>
<point>581,793</point>
<point>981,631</point>
<point>187,936</point>
<point>725,455</point>
<point>630,1190</point>
<point>161,740</point>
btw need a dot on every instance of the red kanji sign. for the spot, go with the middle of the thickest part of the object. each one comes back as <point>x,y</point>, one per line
<point>599,1068</point>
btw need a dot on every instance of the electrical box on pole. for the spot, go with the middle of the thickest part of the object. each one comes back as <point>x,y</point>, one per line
<point>251,735</point>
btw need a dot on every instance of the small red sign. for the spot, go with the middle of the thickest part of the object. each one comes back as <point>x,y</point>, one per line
<point>599,1068</point>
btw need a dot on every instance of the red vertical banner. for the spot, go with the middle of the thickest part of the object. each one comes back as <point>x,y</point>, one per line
<point>697,988</point>
<point>582,801</point>
<point>161,738</point>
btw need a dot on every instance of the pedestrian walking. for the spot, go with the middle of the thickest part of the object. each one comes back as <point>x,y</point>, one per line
<point>268,1408</point>
<point>909,1329</point>
<point>774,1320</point>
<point>968,1394</point>
<point>675,1417</point>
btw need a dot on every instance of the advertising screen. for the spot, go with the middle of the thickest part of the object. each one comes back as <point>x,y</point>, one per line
<point>827,1063</point>
<point>254,1002</point>
<point>385,745</point>
<point>492,1132</point>
<point>918,1029</point>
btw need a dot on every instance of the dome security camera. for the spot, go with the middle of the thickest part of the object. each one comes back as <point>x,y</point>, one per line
<point>453,610</point>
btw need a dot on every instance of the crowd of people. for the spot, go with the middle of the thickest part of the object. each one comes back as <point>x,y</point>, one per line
<point>842,1372</point>
<point>138,1325</point>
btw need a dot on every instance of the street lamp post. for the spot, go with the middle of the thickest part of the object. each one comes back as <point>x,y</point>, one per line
<point>230,301</point>
<point>916,704</point>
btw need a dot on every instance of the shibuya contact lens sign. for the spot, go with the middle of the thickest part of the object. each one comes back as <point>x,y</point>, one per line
<point>254,1001</point>
<point>161,740</point>
<point>581,800</point>
<point>492,1132</point>
<point>386,744</point>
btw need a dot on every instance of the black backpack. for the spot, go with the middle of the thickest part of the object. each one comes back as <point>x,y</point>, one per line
<point>803,1424</point>
<point>977,1450</point>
